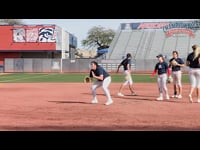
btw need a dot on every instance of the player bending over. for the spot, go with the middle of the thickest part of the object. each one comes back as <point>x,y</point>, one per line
<point>103,79</point>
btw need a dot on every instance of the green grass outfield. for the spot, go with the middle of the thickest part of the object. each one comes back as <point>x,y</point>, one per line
<point>72,77</point>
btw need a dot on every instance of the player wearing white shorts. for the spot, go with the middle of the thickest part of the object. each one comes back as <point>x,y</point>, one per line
<point>193,62</point>
<point>126,63</point>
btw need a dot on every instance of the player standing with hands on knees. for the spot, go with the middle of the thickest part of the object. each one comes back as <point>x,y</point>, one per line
<point>162,69</point>
<point>102,79</point>
<point>126,63</point>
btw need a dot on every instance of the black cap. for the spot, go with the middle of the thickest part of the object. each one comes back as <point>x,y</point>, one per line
<point>128,55</point>
<point>160,55</point>
<point>194,47</point>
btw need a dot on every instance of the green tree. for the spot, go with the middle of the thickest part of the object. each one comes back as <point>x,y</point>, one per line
<point>12,21</point>
<point>98,37</point>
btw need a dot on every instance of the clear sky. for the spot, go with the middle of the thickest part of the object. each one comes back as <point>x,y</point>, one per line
<point>80,27</point>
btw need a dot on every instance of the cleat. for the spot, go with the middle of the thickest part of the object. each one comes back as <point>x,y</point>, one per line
<point>94,101</point>
<point>179,96</point>
<point>120,94</point>
<point>159,99</point>
<point>109,102</point>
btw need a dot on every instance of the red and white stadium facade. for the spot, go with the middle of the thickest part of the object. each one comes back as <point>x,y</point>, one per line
<point>33,41</point>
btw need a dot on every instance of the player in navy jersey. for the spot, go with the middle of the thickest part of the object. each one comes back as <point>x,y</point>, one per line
<point>176,74</point>
<point>103,79</point>
<point>162,70</point>
<point>126,63</point>
<point>193,62</point>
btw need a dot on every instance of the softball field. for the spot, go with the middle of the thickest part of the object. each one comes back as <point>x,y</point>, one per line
<point>67,107</point>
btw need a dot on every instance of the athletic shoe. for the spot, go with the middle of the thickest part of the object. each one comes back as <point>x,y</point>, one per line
<point>133,94</point>
<point>120,94</point>
<point>198,101</point>
<point>167,97</point>
<point>159,99</point>
<point>109,102</point>
<point>174,96</point>
<point>94,101</point>
<point>190,98</point>
<point>179,96</point>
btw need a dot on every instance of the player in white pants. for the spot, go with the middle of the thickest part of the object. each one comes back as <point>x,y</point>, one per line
<point>162,69</point>
<point>103,79</point>
<point>176,74</point>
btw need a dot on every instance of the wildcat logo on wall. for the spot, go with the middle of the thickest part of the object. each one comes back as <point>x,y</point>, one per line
<point>47,35</point>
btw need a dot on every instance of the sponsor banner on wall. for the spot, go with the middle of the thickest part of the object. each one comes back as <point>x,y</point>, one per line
<point>169,28</point>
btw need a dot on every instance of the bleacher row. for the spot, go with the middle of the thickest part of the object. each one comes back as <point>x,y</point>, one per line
<point>146,44</point>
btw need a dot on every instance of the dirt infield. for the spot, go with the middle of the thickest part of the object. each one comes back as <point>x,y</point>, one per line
<point>66,107</point>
